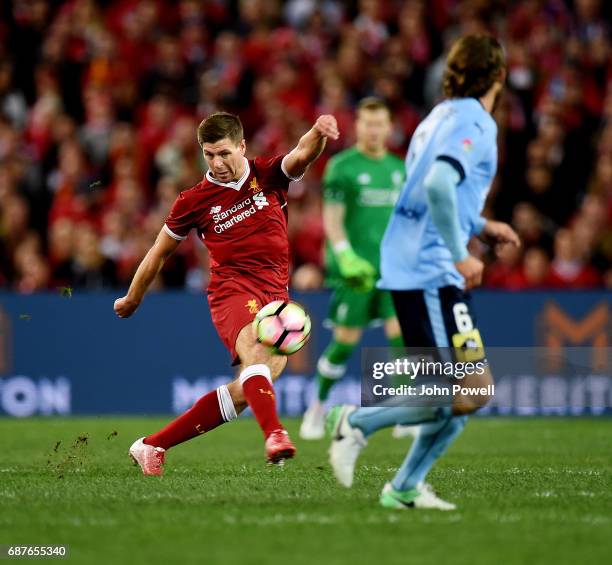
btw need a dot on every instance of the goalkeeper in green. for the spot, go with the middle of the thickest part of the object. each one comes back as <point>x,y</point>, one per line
<point>361,185</point>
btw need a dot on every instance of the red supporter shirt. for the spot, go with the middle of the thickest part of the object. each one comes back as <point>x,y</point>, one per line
<point>243,224</point>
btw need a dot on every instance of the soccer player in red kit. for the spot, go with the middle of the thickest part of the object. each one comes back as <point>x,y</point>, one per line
<point>239,211</point>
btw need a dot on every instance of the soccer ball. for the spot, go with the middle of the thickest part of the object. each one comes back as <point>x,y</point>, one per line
<point>282,326</point>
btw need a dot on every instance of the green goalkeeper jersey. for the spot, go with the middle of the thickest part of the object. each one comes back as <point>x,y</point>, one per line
<point>368,188</point>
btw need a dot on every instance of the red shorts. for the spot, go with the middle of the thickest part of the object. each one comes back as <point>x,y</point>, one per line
<point>234,304</point>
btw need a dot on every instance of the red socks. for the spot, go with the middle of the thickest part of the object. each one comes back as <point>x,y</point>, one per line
<point>258,391</point>
<point>210,411</point>
<point>217,407</point>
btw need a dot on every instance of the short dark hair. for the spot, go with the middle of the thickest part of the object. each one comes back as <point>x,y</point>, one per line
<point>218,126</point>
<point>371,103</point>
<point>473,65</point>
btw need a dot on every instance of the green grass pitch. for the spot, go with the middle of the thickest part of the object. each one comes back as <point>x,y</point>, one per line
<point>528,491</point>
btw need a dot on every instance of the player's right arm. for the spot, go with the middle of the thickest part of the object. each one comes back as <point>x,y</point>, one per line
<point>148,269</point>
<point>465,143</point>
<point>333,223</point>
<point>357,272</point>
<point>441,184</point>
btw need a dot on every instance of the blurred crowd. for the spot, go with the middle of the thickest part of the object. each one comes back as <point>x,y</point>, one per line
<point>100,100</point>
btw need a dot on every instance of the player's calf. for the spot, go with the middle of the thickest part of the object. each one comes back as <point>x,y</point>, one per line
<point>276,364</point>
<point>474,394</point>
<point>257,389</point>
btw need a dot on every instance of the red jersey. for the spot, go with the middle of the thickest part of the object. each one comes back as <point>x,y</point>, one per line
<point>242,223</point>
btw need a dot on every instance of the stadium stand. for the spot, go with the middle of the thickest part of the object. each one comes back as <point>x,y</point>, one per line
<point>99,102</point>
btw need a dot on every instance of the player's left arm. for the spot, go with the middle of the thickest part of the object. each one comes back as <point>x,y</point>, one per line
<point>499,234</point>
<point>310,146</point>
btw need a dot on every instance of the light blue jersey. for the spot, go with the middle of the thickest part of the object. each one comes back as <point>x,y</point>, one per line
<point>413,254</point>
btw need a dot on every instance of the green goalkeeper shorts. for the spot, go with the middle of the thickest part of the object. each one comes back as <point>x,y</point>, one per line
<point>359,309</point>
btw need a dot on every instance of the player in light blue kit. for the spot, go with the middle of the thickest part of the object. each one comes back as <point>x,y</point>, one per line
<point>450,165</point>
